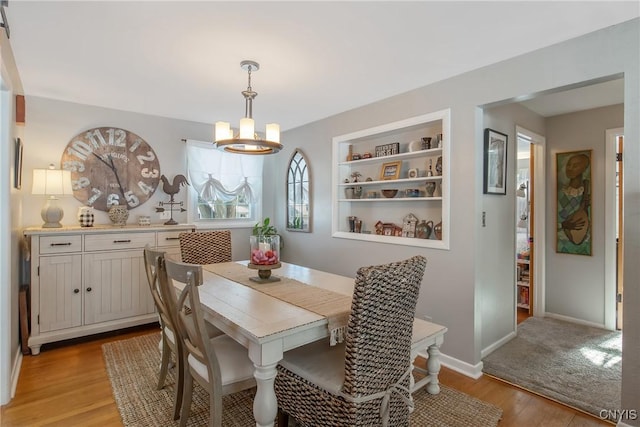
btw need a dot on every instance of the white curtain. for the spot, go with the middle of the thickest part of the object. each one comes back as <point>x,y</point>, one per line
<point>216,175</point>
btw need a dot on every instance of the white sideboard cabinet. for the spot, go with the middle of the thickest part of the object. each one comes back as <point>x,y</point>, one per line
<point>88,280</point>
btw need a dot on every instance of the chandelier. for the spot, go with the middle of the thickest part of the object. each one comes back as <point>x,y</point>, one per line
<point>248,141</point>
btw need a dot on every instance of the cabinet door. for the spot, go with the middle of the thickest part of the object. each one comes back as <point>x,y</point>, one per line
<point>60,292</point>
<point>115,286</point>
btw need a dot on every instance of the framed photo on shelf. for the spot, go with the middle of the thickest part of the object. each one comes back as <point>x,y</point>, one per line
<point>495,162</point>
<point>390,170</point>
<point>17,167</point>
<point>387,149</point>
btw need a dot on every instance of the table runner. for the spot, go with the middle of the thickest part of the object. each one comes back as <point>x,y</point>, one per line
<point>333,306</point>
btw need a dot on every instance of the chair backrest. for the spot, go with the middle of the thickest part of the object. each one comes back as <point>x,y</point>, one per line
<point>378,341</point>
<point>151,259</point>
<point>189,318</point>
<point>205,247</point>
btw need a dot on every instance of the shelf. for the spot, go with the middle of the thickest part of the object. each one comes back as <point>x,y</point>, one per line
<point>415,164</point>
<point>522,283</point>
<point>394,157</point>
<point>393,199</point>
<point>389,182</point>
<point>394,240</point>
<point>521,305</point>
<point>522,261</point>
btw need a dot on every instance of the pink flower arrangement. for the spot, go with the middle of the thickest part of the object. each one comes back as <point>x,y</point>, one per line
<point>260,257</point>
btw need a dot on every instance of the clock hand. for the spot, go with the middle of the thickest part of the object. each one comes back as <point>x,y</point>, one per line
<point>110,166</point>
<point>115,171</point>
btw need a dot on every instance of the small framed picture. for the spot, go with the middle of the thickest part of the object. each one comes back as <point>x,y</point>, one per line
<point>495,162</point>
<point>390,170</point>
<point>413,173</point>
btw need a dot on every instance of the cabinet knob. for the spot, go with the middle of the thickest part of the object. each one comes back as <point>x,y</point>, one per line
<point>75,291</point>
<point>89,289</point>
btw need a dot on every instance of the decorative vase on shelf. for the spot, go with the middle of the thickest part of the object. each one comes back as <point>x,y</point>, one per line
<point>118,214</point>
<point>423,229</point>
<point>437,231</point>
<point>357,192</point>
<point>348,192</point>
<point>439,166</point>
<point>85,216</point>
<point>430,188</point>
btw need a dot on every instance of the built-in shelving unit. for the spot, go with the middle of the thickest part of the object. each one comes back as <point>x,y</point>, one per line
<point>416,166</point>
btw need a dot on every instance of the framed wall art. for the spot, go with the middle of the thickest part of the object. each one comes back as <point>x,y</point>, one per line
<point>573,202</point>
<point>390,170</point>
<point>17,168</point>
<point>495,162</point>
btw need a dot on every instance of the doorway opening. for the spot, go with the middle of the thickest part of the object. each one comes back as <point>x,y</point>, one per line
<point>614,246</point>
<point>530,224</point>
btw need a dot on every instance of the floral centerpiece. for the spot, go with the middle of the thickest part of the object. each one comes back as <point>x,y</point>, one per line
<point>265,244</point>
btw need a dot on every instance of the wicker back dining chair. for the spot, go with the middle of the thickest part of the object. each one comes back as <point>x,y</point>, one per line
<point>220,364</point>
<point>205,247</point>
<point>366,380</point>
<point>169,342</point>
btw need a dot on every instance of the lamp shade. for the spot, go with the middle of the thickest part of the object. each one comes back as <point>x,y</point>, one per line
<point>52,182</point>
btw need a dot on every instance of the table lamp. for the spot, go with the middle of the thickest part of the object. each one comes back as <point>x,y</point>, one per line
<point>51,182</point>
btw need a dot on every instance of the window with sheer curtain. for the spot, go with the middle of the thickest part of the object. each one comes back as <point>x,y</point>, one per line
<point>225,188</point>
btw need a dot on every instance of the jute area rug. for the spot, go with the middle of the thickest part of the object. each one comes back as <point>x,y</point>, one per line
<point>132,366</point>
<point>574,364</point>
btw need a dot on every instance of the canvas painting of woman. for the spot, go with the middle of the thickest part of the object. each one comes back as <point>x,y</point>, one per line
<point>573,231</point>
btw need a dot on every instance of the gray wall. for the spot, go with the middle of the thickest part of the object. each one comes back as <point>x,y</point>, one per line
<point>496,274</point>
<point>453,291</point>
<point>575,283</point>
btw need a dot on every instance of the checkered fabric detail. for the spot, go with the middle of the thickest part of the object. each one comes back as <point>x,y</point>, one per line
<point>86,219</point>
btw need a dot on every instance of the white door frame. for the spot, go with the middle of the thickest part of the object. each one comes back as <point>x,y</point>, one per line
<point>610,220</point>
<point>538,143</point>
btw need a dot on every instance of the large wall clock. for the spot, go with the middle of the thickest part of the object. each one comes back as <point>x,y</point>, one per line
<point>110,165</point>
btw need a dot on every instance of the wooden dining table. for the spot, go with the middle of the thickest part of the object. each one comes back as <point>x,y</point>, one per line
<point>268,327</point>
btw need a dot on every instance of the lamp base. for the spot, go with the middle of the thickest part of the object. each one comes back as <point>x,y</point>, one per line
<point>52,214</point>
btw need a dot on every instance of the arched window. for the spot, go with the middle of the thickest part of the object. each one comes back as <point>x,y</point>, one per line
<point>298,193</point>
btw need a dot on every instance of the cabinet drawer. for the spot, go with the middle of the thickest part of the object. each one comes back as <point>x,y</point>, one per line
<point>169,238</point>
<point>113,241</point>
<point>60,244</point>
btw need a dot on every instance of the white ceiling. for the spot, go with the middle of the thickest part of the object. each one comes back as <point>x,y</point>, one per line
<point>181,59</point>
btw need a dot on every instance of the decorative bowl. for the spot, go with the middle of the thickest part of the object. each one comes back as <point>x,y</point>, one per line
<point>390,193</point>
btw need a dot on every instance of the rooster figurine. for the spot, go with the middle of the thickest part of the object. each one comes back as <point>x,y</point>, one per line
<point>172,189</point>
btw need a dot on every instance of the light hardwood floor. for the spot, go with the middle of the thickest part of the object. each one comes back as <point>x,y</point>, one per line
<point>68,386</point>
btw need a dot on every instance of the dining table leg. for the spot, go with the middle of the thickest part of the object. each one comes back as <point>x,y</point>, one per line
<point>265,404</point>
<point>433,367</point>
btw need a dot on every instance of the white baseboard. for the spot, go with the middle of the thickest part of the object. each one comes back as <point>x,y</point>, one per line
<point>15,372</point>
<point>496,345</point>
<point>464,368</point>
<point>574,320</point>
